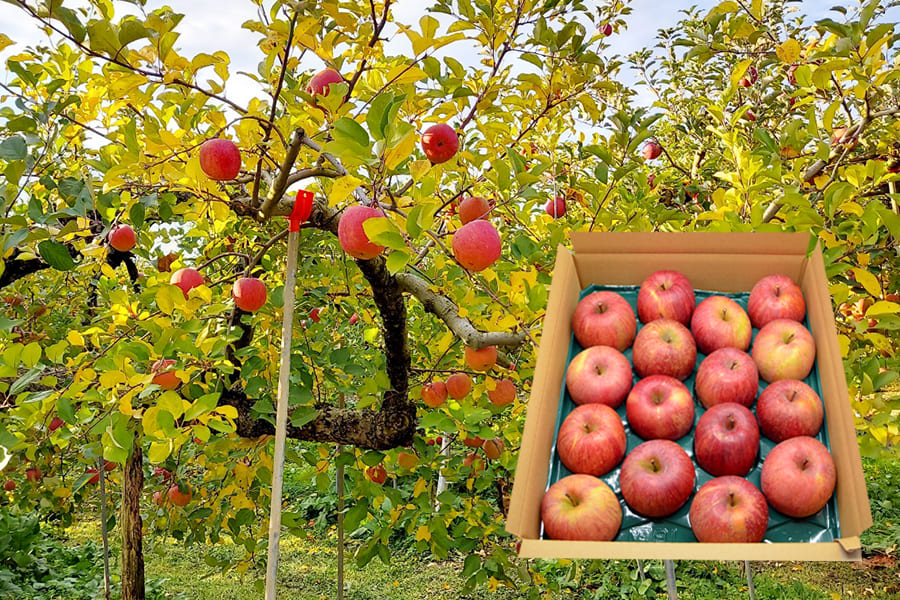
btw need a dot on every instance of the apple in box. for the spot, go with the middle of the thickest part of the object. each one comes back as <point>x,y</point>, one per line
<point>726,440</point>
<point>604,319</point>
<point>664,347</point>
<point>720,322</point>
<point>798,477</point>
<point>581,507</point>
<point>660,406</point>
<point>727,375</point>
<point>666,295</point>
<point>789,408</point>
<point>775,297</point>
<point>657,478</point>
<point>729,509</point>
<point>591,440</point>
<point>599,374</point>
<point>783,349</point>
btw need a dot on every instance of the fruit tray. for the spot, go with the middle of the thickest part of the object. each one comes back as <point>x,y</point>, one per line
<point>823,526</point>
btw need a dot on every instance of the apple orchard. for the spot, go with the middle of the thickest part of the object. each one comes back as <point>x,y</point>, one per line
<point>144,242</point>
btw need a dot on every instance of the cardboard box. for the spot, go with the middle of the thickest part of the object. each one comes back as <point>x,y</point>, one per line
<point>726,262</point>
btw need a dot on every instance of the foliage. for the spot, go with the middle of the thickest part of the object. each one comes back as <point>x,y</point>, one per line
<point>881,480</point>
<point>101,126</point>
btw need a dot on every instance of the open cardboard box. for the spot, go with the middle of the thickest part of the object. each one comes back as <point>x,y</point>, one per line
<point>725,262</point>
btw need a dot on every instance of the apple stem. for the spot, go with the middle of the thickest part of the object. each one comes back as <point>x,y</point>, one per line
<point>777,291</point>
<point>734,365</point>
<point>572,500</point>
<point>724,314</point>
<point>654,465</point>
<point>601,308</point>
<point>730,422</point>
<point>793,396</point>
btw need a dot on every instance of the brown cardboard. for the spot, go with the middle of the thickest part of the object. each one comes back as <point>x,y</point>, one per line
<point>727,262</point>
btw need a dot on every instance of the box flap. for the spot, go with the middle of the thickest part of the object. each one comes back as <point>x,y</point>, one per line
<point>584,242</point>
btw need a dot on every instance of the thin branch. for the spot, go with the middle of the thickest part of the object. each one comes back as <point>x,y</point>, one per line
<point>281,182</point>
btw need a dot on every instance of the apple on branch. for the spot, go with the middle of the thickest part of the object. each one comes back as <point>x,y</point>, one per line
<point>440,143</point>
<point>482,359</point>
<point>473,208</point>
<point>320,84</point>
<point>476,245</point>
<point>186,279</point>
<point>249,293</point>
<point>434,394</point>
<point>504,393</point>
<point>220,159</point>
<point>352,236</point>
<point>581,507</point>
<point>556,207</point>
<point>591,440</point>
<point>122,238</point>
<point>729,509</point>
<point>163,375</point>
<point>604,319</point>
<point>459,385</point>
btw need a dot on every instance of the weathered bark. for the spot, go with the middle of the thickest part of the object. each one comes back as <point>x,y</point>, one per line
<point>17,269</point>
<point>132,534</point>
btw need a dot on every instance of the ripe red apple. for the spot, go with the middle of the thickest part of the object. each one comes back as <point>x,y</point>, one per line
<point>798,477</point>
<point>726,375</point>
<point>591,440</point>
<point>473,208</point>
<point>377,474</point>
<point>556,207</point>
<point>660,406</point>
<point>751,75</point>
<point>784,349</point>
<point>657,478</point>
<point>666,295</point>
<point>249,294</point>
<point>158,498</point>
<point>186,279</point>
<point>472,442</point>
<point>180,494</point>
<point>493,448</point>
<point>165,474</point>
<point>164,376</point>
<point>220,159</point>
<point>476,245</point>
<point>475,462</point>
<point>599,374</point>
<point>314,315</point>
<point>440,143</point>
<point>604,319</point>
<point>109,465</point>
<point>581,507</point>
<point>482,359</point>
<point>34,474</point>
<point>775,297</point>
<point>729,509</point>
<point>664,347</point>
<point>96,475</point>
<point>320,83</point>
<point>726,440</point>
<point>503,394</point>
<point>9,485</point>
<point>789,408</point>
<point>720,322</point>
<point>122,238</point>
<point>353,318</point>
<point>352,235</point>
<point>434,394</point>
<point>606,29</point>
<point>55,423</point>
<point>651,150</point>
<point>459,385</point>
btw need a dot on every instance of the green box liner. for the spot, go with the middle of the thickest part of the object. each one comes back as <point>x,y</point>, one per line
<point>823,526</point>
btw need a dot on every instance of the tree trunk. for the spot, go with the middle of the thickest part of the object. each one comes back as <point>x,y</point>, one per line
<point>132,535</point>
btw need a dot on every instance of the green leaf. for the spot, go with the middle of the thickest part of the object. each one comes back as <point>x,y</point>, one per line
<point>346,128</point>
<point>136,214</point>
<point>397,260</point>
<point>13,148</point>
<point>68,18</point>
<point>201,406</point>
<point>66,410</point>
<point>477,415</point>
<point>377,117</point>
<point>57,255</point>
<point>25,380</point>
<point>382,230</point>
<point>302,415</point>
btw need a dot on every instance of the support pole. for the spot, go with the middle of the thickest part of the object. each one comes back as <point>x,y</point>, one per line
<point>748,569</point>
<point>340,518</point>
<point>671,590</point>
<point>104,531</point>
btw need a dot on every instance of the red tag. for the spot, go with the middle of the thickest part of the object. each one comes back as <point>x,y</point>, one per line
<point>302,209</point>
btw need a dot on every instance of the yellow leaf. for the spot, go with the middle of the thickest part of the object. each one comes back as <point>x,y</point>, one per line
<point>168,297</point>
<point>739,69</point>
<point>868,281</point>
<point>171,402</point>
<point>111,379</point>
<point>883,307</point>
<point>394,156</point>
<point>227,411</point>
<point>125,406</point>
<point>5,42</point>
<point>342,187</point>
<point>844,343</point>
<point>402,74</point>
<point>418,169</point>
<point>423,533</point>
<point>420,487</point>
<point>159,451</point>
<point>788,51</point>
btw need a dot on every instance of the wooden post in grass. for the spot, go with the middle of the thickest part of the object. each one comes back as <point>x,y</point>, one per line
<point>104,531</point>
<point>749,571</point>
<point>302,209</point>
<point>671,590</point>
<point>340,517</point>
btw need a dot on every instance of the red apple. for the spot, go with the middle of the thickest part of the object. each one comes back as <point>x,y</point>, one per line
<point>604,319</point>
<point>789,408</point>
<point>122,238</point>
<point>775,297</point>
<point>352,235</point>
<point>180,494</point>
<point>476,245</point>
<point>503,394</point>
<point>664,347</point>
<point>599,374</point>
<point>591,440</point>
<point>9,485</point>
<point>249,294</point>
<point>493,448</point>
<point>186,279</point>
<point>459,385</point>
<point>472,442</point>
<point>320,83</point>
<point>55,423</point>
<point>95,475</point>
<point>33,474</point>
<point>660,406</point>
<point>606,29</point>
<point>377,474</point>
<point>784,349</point>
<point>220,159</point>
<point>751,75</point>
<point>720,322</point>
<point>727,375</point>
<point>581,507</point>
<point>726,440</point>
<point>353,318</point>
<point>314,315</point>
<point>475,462</point>
<point>158,498</point>
<point>651,150</point>
<point>556,207</point>
<point>798,477</point>
<point>729,509</point>
<point>109,465</point>
<point>164,376</point>
<point>657,478</point>
<point>473,208</point>
<point>434,394</point>
<point>666,295</point>
<point>440,143</point>
<point>482,359</point>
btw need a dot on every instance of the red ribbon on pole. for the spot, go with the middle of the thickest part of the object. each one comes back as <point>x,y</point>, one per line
<point>302,209</point>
